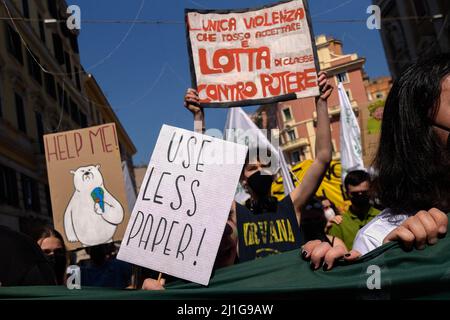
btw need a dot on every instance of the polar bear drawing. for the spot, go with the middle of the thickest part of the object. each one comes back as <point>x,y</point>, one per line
<point>92,215</point>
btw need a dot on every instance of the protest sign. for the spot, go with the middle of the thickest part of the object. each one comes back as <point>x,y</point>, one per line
<point>86,185</point>
<point>252,56</point>
<point>183,204</point>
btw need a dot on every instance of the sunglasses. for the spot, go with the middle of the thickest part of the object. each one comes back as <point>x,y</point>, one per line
<point>315,205</point>
<point>359,193</point>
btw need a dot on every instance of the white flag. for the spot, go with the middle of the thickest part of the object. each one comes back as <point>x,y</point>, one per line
<point>241,129</point>
<point>129,189</point>
<point>351,151</point>
<point>285,173</point>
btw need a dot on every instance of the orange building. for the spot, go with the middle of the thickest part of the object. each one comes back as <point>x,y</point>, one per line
<point>296,119</point>
<point>378,88</point>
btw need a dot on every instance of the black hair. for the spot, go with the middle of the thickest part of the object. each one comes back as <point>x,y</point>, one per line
<point>313,220</point>
<point>411,164</point>
<point>45,231</point>
<point>356,177</point>
<point>332,205</point>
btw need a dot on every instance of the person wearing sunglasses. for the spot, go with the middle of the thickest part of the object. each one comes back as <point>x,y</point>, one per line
<point>360,213</point>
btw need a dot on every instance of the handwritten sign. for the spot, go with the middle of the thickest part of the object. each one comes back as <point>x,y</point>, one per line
<point>86,185</point>
<point>183,204</point>
<point>252,56</point>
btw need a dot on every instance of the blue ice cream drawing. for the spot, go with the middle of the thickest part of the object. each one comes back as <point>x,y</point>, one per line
<point>97,196</point>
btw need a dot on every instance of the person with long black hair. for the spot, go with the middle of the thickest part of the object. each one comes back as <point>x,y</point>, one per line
<point>412,166</point>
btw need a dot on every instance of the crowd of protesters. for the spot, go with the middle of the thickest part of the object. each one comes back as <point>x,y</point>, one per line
<point>411,184</point>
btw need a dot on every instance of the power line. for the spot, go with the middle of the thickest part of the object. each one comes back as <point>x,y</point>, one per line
<point>178,22</point>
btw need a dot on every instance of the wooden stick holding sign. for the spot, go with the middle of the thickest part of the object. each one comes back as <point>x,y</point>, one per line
<point>183,205</point>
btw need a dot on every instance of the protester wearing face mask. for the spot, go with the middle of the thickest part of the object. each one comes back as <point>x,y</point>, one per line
<point>357,185</point>
<point>265,226</point>
<point>332,214</point>
<point>52,245</point>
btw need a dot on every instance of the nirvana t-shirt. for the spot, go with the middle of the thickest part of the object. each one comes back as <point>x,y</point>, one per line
<point>266,233</point>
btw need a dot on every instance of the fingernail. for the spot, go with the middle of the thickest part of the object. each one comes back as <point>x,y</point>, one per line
<point>325,267</point>
<point>312,266</point>
<point>304,254</point>
<point>347,255</point>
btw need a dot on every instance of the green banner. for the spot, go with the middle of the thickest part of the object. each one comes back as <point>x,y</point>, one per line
<point>407,275</point>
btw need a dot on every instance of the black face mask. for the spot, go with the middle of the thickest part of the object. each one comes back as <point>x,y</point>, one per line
<point>260,184</point>
<point>360,199</point>
<point>52,260</point>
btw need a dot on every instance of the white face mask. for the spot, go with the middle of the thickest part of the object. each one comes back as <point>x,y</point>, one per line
<point>329,213</point>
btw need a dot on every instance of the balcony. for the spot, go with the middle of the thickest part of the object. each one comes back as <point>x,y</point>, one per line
<point>335,111</point>
<point>294,144</point>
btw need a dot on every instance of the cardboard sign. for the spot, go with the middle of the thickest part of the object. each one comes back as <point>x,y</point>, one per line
<point>86,185</point>
<point>183,204</point>
<point>252,56</point>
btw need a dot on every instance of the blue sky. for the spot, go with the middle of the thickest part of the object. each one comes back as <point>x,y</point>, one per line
<point>144,71</point>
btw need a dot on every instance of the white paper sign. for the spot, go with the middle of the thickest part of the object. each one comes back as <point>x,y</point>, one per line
<point>183,205</point>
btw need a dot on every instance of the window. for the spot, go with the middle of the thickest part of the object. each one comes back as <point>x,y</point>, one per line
<point>1,99</point>
<point>26,9</point>
<point>48,200</point>
<point>41,28</point>
<point>291,135</point>
<point>52,8</point>
<point>58,48</point>
<point>349,94</point>
<point>9,193</point>
<point>287,114</point>
<point>33,67</point>
<point>74,43</point>
<point>77,77</point>
<point>74,112</point>
<point>342,77</point>
<point>68,64</point>
<point>296,156</point>
<point>30,192</point>
<point>14,43</point>
<point>21,123</point>
<point>99,120</point>
<point>63,99</point>
<point>421,8</point>
<point>50,85</point>
<point>40,131</point>
<point>83,120</point>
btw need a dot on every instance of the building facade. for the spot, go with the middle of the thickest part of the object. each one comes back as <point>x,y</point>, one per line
<point>297,119</point>
<point>42,90</point>
<point>377,91</point>
<point>412,29</point>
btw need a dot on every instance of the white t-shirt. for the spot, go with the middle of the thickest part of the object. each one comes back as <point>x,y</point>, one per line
<point>371,236</point>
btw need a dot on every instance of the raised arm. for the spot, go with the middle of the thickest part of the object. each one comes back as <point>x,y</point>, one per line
<point>316,171</point>
<point>192,103</point>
